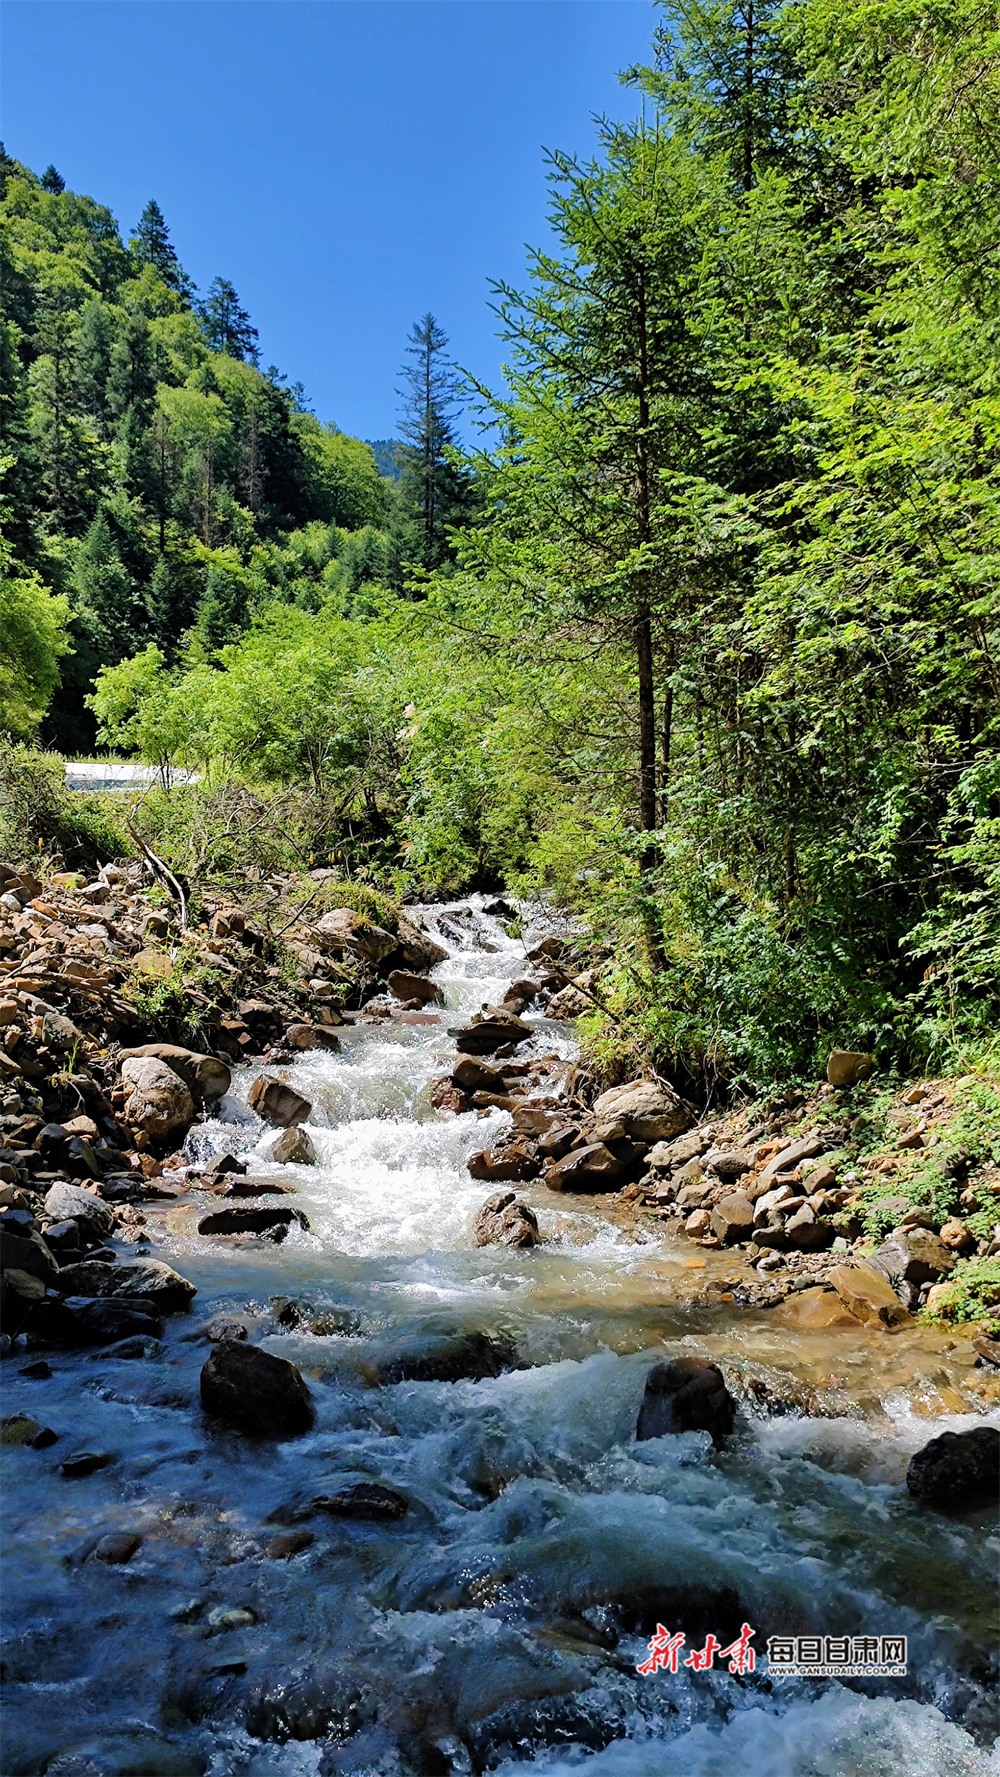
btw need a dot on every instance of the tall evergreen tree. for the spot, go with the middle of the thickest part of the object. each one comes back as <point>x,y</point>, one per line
<point>226,324</point>
<point>53,181</point>
<point>151,245</point>
<point>433,491</point>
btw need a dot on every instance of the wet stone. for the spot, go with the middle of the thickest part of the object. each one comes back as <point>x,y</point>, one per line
<point>366,1500</point>
<point>84,1462</point>
<point>255,1390</point>
<point>118,1548</point>
<point>686,1394</point>
<point>957,1467</point>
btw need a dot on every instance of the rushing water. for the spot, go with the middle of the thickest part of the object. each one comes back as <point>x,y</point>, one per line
<point>499,1624</point>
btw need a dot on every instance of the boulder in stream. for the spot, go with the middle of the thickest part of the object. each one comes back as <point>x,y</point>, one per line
<point>312,1036</point>
<point>278,1103</point>
<point>415,949</point>
<point>252,1388</point>
<point>448,1355</point>
<point>240,1219</point>
<point>686,1394</point>
<point>157,1101</point>
<point>518,1160</point>
<point>492,1032</point>
<point>71,1202</point>
<point>405,985</point>
<point>957,1467</point>
<point>205,1076</point>
<point>162,1289</point>
<point>505,1221</point>
<point>294,1146</point>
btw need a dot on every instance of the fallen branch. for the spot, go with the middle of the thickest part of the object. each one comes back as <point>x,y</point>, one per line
<point>160,869</point>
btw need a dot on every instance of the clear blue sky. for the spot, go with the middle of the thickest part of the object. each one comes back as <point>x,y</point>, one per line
<point>348,164</point>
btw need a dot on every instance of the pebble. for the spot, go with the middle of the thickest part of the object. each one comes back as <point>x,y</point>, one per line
<point>227,1616</point>
<point>117,1548</point>
<point>84,1462</point>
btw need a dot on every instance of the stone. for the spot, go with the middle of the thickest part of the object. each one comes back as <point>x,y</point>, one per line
<point>821,1178</point>
<point>157,1101</point>
<point>729,1162</point>
<point>416,951</point>
<point>805,1148</point>
<point>344,929</point>
<point>806,1230</point>
<point>771,1201</point>
<point>278,1103</point>
<point>454,1355</point>
<point>816,1310</point>
<point>220,1164</point>
<point>686,1394</point>
<point>957,1467</point>
<point>85,1462</point>
<point>692,1193</point>
<point>282,1548</point>
<point>294,1147</point>
<point>70,1202</point>
<point>81,1321</point>
<point>27,1253</point>
<point>651,1112</point>
<point>250,1221</point>
<point>157,1286</point>
<point>846,1067</point>
<point>732,1219</point>
<point>406,986</point>
<point>18,1430</point>
<point>206,1077</point>
<point>253,1389</point>
<point>518,1160</point>
<point>868,1295</point>
<point>914,1255</point>
<point>446,1096</point>
<point>698,1224</point>
<point>117,1549</point>
<point>956,1236</point>
<point>568,1003</point>
<point>312,1036</point>
<point>365,1499</point>
<point>491,1033</point>
<point>505,1221</point>
<point>477,1076</point>
<point>591,1168</point>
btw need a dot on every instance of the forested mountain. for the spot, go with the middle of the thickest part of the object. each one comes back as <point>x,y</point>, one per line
<point>714,655</point>
<point>163,484</point>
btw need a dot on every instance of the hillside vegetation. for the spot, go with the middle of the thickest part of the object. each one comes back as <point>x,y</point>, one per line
<point>702,641</point>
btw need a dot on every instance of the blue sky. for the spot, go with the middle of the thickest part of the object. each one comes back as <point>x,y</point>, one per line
<point>348,164</point>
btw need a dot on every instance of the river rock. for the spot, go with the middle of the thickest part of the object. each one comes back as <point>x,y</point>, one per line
<point>415,950</point>
<point>957,1467</point>
<point>651,1112</point>
<point>593,1168</point>
<point>914,1255</point>
<point>518,1160</point>
<point>365,1499</point>
<point>17,1430</point>
<point>467,1354</point>
<point>686,1394</point>
<point>407,986</point>
<point>250,1221</point>
<point>291,1542</point>
<point>26,1251</point>
<point>477,1076</point>
<point>149,1281</point>
<point>344,929</point>
<point>278,1103</point>
<point>491,1033</point>
<point>117,1548</point>
<point>957,1236</point>
<point>157,1101</point>
<point>85,1462</point>
<point>252,1388</point>
<point>505,1221</point>
<point>728,1163</point>
<point>815,1311</point>
<point>70,1202</point>
<point>205,1076</point>
<point>446,1096</point>
<point>82,1321</point>
<point>294,1147</point>
<point>312,1036</point>
<point>869,1295</point>
<point>846,1067</point>
<point>732,1219</point>
<point>569,1002</point>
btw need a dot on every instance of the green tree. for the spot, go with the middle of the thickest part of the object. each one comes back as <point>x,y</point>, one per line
<point>226,324</point>
<point>151,245</point>
<point>33,638</point>
<point>433,492</point>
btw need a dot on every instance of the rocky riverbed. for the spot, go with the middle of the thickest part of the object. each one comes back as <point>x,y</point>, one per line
<point>341,1372</point>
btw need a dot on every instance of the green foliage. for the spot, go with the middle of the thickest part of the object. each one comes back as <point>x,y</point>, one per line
<point>971,1293</point>
<point>38,813</point>
<point>32,638</point>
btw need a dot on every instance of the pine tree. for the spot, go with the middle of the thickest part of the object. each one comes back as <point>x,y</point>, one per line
<point>53,181</point>
<point>226,324</point>
<point>151,245</point>
<point>433,492</point>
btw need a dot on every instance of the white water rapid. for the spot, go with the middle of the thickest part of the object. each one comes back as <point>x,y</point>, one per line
<point>497,1626</point>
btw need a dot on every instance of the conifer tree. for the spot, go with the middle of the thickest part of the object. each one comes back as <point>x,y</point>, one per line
<point>226,324</point>
<point>151,245</point>
<point>53,181</point>
<point>433,491</point>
